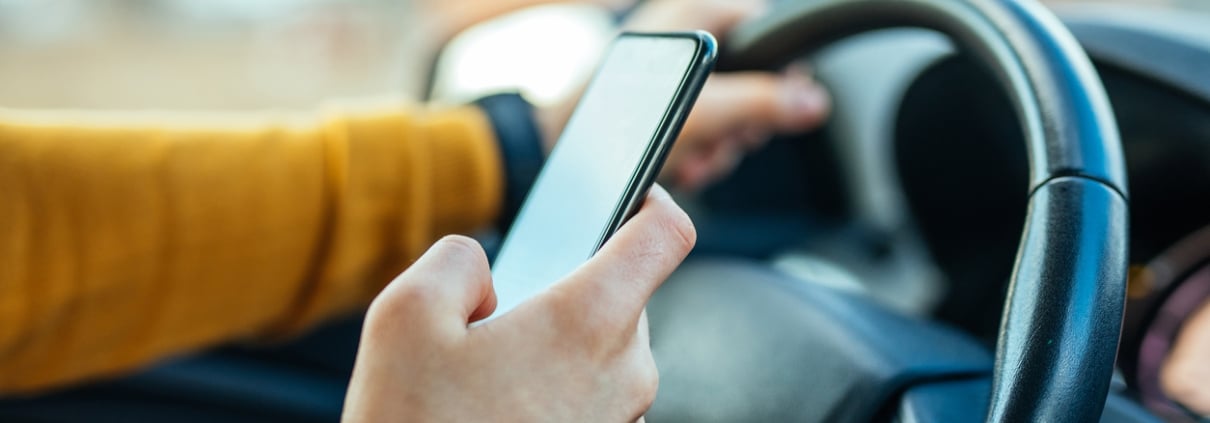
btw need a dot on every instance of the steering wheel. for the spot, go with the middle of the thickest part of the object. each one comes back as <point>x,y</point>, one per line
<point>1062,319</point>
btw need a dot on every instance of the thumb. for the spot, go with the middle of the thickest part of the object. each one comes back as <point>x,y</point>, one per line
<point>761,102</point>
<point>619,279</point>
<point>449,286</point>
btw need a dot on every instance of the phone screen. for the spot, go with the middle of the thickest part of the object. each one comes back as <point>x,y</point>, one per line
<point>615,135</point>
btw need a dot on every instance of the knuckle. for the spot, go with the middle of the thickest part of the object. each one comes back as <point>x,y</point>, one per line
<point>681,234</point>
<point>650,385</point>
<point>386,314</point>
<point>461,245</point>
<point>405,296</point>
<point>378,315</point>
<point>646,382</point>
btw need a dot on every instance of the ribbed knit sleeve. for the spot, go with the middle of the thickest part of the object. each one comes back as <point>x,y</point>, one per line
<point>125,239</point>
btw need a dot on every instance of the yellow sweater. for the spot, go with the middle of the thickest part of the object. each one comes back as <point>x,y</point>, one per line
<point>124,239</point>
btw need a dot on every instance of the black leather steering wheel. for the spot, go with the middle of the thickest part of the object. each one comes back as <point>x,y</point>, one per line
<point>1062,319</point>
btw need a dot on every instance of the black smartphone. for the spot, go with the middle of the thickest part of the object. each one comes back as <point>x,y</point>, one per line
<point>608,156</point>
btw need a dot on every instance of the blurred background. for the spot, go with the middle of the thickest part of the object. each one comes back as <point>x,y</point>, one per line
<point>238,54</point>
<point>228,54</point>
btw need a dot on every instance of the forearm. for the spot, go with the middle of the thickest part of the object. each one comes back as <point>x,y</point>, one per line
<point>124,242</point>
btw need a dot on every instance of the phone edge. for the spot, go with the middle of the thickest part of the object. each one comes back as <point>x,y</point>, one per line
<point>671,123</point>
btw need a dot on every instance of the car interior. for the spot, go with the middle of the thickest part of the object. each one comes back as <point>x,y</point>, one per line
<point>919,111</point>
<point>1000,186</point>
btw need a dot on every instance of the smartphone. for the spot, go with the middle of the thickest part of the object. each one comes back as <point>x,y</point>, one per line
<point>605,161</point>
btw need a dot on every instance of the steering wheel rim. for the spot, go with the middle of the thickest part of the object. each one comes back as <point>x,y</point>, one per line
<point>1063,315</point>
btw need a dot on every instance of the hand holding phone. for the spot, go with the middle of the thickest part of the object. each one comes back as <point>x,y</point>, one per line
<point>578,353</point>
<point>607,158</point>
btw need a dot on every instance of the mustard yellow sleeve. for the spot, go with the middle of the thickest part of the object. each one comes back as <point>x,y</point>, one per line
<point>128,239</point>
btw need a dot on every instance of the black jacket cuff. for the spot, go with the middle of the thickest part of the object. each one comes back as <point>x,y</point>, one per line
<point>520,144</point>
